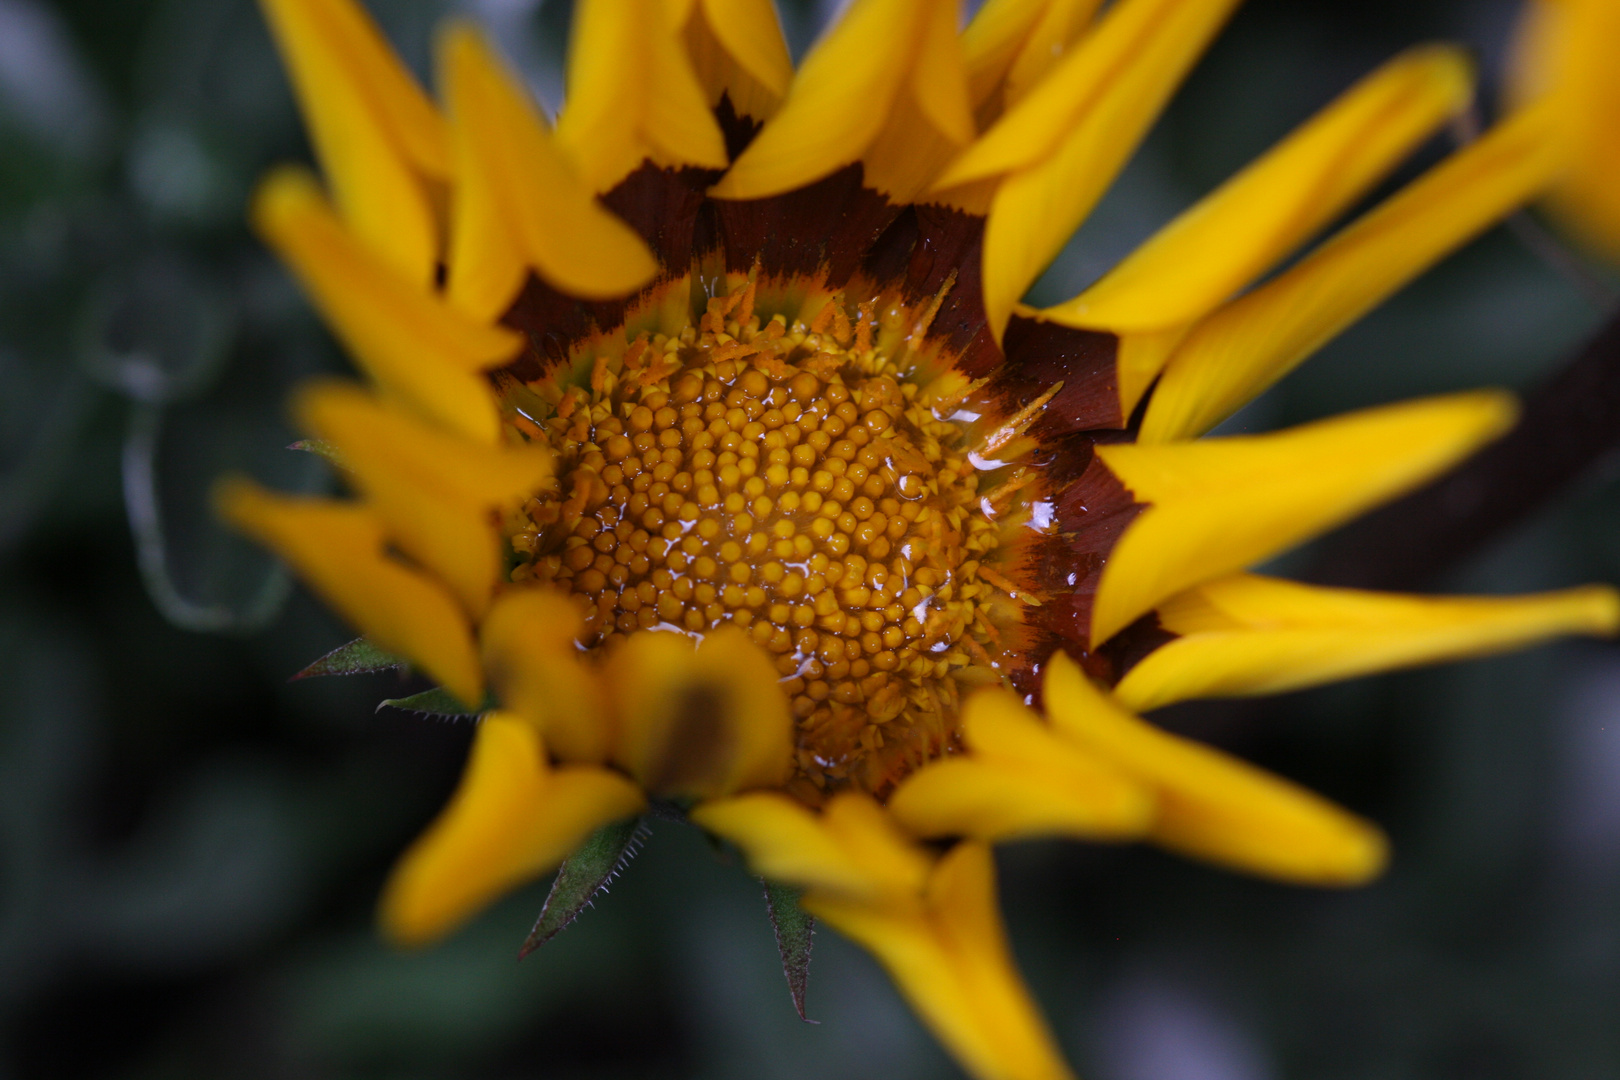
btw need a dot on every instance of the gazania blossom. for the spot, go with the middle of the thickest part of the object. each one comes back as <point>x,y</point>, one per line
<point>709,455</point>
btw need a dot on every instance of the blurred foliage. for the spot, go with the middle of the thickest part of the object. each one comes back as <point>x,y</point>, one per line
<point>190,846</point>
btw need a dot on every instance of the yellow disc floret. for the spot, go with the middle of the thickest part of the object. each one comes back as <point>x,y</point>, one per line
<point>785,481</point>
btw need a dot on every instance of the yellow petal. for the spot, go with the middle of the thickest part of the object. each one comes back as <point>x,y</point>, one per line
<point>1063,145</point>
<point>870,835</point>
<point>1213,806</point>
<point>738,52</point>
<point>1141,356</point>
<point>1218,505</point>
<point>752,36</point>
<point>1057,30</point>
<point>699,722</point>
<point>375,132</point>
<point>679,125</point>
<point>840,100</point>
<point>599,126</point>
<point>950,960</point>
<point>337,547</point>
<point>1564,56</point>
<point>1247,635</point>
<point>434,491</point>
<point>785,841</point>
<point>931,122</point>
<point>1019,780</point>
<point>993,40</point>
<point>531,651</point>
<point>939,78</point>
<point>518,200</point>
<point>1264,212</point>
<point>512,818</point>
<point>1257,339</point>
<point>632,93</point>
<point>414,345</point>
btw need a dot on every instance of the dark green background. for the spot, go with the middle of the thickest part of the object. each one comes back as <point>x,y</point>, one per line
<point>190,846</point>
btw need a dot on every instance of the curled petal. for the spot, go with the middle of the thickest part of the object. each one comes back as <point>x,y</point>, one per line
<point>512,818</point>
<point>375,132</point>
<point>738,50</point>
<point>518,201</point>
<point>1213,806</point>
<point>530,647</point>
<point>435,491</point>
<point>632,93</point>
<point>414,345</point>
<point>1258,338</point>
<point>1019,780</point>
<point>852,849</point>
<point>337,547</point>
<point>1060,147</point>
<point>1247,635</point>
<point>949,957</point>
<point>700,722</point>
<point>841,97</point>
<point>1264,212</point>
<point>1218,505</point>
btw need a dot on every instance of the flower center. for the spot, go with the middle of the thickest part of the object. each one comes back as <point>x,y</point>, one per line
<point>785,480</point>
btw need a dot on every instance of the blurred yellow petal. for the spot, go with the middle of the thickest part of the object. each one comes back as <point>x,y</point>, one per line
<point>1257,339</point>
<point>679,124</point>
<point>519,201</point>
<point>950,959</point>
<point>1019,780</point>
<point>414,345</point>
<point>1213,806</point>
<point>872,838</point>
<point>1564,55</point>
<point>1219,505</point>
<point>993,40</point>
<point>1141,356</point>
<point>752,34</point>
<point>512,819</point>
<point>433,490</point>
<point>1236,233</point>
<point>1063,145</point>
<point>375,132</point>
<point>1247,635</point>
<point>632,93</point>
<point>337,548</point>
<point>1057,30</point>
<point>1138,53</point>
<point>738,51</point>
<point>699,722</point>
<point>840,100</point>
<point>531,652</point>
<point>938,78</point>
<point>599,126</point>
<point>785,841</point>
<point>932,121</point>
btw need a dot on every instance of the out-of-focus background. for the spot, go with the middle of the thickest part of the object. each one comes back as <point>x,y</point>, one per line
<point>191,846</point>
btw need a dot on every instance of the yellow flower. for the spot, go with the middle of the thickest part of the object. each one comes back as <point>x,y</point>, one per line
<point>709,452</point>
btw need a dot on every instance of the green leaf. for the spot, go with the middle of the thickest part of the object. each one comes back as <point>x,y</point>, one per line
<point>358,657</point>
<point>584,874</point>
<point>436,702</point>
<point>795,930</point>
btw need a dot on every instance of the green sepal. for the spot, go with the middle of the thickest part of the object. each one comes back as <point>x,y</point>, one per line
<point>437,702</point>
<point>795,931</point>
<point>358,657</point>
<point>584,874</point>
<point>320,447</point>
